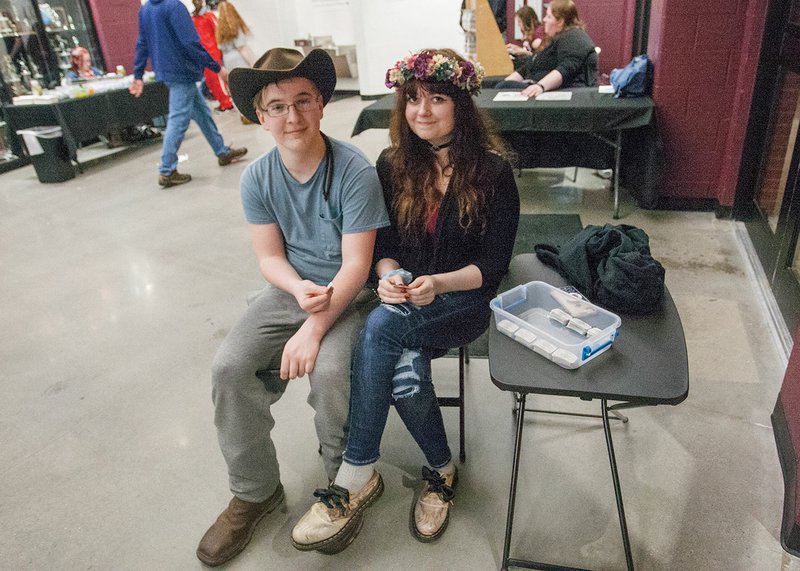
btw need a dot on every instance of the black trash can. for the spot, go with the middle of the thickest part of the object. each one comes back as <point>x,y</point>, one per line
<point>48,152</point>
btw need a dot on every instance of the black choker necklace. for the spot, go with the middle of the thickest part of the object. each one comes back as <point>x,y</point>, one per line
<point>437,148</point>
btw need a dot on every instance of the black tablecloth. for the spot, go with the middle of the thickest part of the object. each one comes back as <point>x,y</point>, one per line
<point>587,112</point>
<point>85,119</point>
<point>554,133</point>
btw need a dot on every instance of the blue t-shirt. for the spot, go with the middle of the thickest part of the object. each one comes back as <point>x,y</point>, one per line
<point>312,227</point>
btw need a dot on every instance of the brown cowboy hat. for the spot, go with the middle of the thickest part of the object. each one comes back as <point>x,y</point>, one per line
<point>276,65</point>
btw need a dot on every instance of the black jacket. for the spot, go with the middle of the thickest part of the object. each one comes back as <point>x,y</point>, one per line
<point>571,53</point>
<point>451,248</point>
<point>610,265</point>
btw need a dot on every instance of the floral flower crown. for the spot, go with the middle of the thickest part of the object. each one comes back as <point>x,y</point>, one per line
<point>425,66</point>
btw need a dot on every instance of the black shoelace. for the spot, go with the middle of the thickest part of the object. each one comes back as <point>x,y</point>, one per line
<point>437,485</point>
<point>334,497</point>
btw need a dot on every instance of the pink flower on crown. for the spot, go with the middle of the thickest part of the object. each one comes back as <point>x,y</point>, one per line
<point>425,66</point>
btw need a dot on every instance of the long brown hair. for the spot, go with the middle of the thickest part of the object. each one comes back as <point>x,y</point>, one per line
<point>567,11</point>
<point>229,23</point>
<point>530,21</point>
<point>413,166</point>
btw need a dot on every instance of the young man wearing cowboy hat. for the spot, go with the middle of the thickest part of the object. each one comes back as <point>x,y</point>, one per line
<point>313,205</point>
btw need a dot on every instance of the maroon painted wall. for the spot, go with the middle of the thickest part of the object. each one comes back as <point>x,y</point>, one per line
<point>705,56</point>
<point>610,25</point>
<point>608,22</point>
<point>116,22</point>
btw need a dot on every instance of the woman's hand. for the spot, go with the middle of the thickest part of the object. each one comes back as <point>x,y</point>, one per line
<point>392,290</point>
<point>422,290</point>
<point>534,90</point>
<point>515,50</point>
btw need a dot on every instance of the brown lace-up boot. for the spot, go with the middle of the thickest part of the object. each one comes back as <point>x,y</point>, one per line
<point>234,528</point>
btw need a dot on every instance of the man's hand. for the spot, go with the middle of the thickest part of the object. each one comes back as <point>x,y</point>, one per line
<point>300,353</point>
<point>422,290</point>
<point>392,290</point>
<point>223,73</point>
<point>312,297</point>
<point>136,87</point>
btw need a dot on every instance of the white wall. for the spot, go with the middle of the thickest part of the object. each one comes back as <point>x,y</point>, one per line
<point>387,30</point>
<point>326,18</point>
<point>273,23</point>
<point>383,30</point>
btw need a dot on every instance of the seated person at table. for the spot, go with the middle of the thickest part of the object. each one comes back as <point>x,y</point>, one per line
<point>82,68</point>
<point>569,61</point>
<point>81,65</point>
<point>533,35</point>
<point>454,209</point>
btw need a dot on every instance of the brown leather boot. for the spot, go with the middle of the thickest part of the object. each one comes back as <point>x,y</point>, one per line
<point>234,528</point>
<point>173,179</point>
<point>231,156</point>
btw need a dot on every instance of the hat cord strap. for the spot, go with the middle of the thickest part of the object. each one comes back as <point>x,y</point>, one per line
<point>328,180</point>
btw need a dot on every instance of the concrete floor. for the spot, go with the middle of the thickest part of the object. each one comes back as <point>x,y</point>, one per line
<point>115,295</point>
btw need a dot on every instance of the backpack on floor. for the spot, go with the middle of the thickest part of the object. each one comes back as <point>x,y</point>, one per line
<point>634,79</point>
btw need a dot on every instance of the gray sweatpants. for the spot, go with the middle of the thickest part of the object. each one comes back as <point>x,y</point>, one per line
<point>246,382</point>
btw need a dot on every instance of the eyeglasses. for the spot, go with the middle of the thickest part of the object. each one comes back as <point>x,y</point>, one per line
<point>301,105</point>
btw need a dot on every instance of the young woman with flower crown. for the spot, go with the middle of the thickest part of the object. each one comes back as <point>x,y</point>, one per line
<point>454,208</point>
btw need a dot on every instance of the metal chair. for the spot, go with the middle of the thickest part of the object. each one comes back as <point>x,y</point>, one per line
<point>463,360</point>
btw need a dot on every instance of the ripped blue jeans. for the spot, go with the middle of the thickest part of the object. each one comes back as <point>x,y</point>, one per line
<point>392,362</point>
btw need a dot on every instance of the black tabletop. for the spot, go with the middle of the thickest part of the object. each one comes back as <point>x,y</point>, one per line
<point>646,365</point>
<point>96,114</point>
<point>587,111</point>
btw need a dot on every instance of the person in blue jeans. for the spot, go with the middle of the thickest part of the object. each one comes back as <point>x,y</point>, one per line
<point>169,39</point>
<point>454,209</point>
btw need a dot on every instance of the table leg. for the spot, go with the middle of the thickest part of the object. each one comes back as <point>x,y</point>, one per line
<point>512,494</point>
<point>617,153</point>
<point>617,489</point>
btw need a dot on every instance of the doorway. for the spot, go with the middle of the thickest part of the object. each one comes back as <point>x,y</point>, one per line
<point>771,209</point>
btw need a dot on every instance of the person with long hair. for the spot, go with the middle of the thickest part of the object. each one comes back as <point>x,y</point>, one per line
<point>232,35</point>
<point>569,60</point>
<point>532,34</point>
<point>81,65</point>
<point>454,209</point>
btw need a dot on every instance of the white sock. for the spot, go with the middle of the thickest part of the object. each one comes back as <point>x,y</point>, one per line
<point>447,469</point>
<point>353,478</point>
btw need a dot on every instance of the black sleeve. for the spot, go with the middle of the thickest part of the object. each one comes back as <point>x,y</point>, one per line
<point>388,239</point>
<point>573,47</point>
<point>494,255</point>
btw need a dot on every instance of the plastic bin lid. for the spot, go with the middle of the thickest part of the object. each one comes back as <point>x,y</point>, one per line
<point>45,132</point>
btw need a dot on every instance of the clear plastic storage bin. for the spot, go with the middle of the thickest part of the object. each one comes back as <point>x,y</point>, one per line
<point>574,334</point>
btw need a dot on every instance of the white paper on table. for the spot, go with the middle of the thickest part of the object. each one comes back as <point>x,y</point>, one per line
<point>510,96</point>
<point>605,89</point>
<point>555,96</point>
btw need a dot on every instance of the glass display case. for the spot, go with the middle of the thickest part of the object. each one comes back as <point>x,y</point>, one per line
<point>35,52</point>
